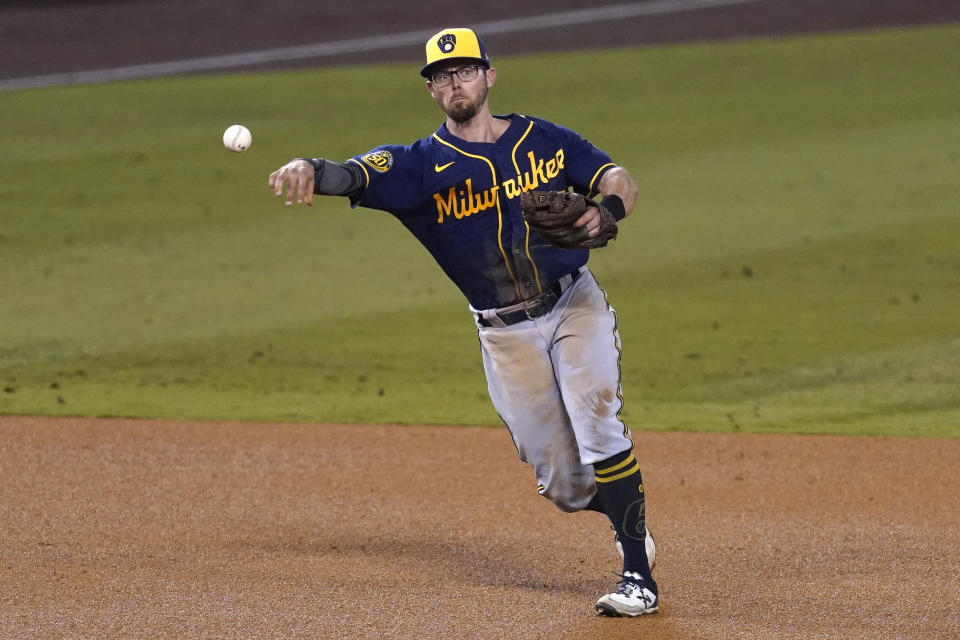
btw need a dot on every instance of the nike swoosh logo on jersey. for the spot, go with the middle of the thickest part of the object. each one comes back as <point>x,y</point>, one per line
<point>438,168</point>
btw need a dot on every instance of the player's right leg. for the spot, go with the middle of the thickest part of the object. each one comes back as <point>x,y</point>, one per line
<point>524,392</point>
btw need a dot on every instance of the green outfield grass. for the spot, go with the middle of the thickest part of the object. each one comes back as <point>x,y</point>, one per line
<point>793,264</point>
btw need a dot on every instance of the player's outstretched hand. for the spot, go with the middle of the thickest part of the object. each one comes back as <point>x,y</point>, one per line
<point>297,178</point>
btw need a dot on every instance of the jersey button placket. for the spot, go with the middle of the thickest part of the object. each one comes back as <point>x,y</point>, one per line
<point>504,167</point>
<point>528,286</point>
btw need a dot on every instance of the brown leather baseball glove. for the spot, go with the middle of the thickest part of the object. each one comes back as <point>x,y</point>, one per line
<point>552,214</point>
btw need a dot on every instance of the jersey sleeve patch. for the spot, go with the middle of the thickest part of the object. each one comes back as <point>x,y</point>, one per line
<point>379,161</point>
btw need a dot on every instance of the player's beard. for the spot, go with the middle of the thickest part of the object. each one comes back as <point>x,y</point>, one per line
<point>462,111</point>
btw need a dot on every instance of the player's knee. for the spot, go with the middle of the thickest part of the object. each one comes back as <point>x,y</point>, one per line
<point>567,496</point>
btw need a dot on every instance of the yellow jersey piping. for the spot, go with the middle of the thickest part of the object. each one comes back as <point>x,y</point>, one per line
<point>360,164</point>
<point>590,190</point>
<point>493,173</point>
<point>517,146</point>
<point>526,242</point>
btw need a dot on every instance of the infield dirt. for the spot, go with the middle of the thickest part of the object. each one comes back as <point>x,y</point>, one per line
<point>147,529</point>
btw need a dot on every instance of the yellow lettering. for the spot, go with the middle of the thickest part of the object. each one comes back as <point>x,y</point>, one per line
<point>535,178</point>
<point>511,189</point>
<point>538,169</point>
<point>448,206</point>
<point>552,168</point>
<point>489,199</point>
<point>464,204</point>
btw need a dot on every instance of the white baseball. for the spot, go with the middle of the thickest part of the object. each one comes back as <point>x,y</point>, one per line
<point>237,138</point>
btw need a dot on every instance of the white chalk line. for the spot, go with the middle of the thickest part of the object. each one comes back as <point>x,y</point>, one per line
<point>357,45</point>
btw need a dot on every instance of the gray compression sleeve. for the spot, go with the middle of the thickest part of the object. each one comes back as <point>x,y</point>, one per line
<point>332,179</point>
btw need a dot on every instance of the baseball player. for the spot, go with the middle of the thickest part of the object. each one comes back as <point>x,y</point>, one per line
<point>500,203</point>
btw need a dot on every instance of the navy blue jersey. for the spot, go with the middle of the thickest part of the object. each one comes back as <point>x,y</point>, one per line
<point>462,201</point>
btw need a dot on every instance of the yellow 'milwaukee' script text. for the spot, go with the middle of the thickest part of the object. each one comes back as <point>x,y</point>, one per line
<point>461,203</point>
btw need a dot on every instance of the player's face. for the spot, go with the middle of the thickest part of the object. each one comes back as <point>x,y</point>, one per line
<point>461,99</point>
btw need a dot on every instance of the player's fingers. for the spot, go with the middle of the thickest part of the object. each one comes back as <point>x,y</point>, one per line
<point>305,190</point>
<point>589,215</point>
<point>278,179</point>
<point>309,198</point>
<point>293,188</point>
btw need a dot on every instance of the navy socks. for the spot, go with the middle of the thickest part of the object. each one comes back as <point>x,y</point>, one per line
<point>620,493</point>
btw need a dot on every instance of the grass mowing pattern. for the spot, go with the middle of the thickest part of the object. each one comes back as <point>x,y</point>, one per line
<point>793,264</point>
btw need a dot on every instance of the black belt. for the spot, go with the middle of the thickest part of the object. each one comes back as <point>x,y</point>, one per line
<point>535,307</point>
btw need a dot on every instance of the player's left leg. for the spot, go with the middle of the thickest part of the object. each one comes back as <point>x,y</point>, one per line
<point>620,489</point>
<point>586,360</point>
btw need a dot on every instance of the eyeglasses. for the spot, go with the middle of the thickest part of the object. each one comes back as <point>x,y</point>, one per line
<point>466,74</point>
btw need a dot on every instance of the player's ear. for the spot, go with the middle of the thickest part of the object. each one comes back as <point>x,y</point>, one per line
<point>491,76</point>
<point>430,89</point>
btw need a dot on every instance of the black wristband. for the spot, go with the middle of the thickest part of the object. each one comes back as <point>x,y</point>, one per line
<point>615,206</point>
